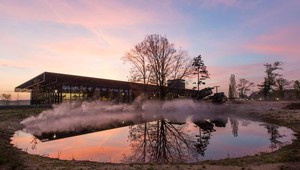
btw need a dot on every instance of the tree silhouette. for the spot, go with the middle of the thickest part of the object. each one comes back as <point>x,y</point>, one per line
<point>232,87</point>
<point>274,135</point>
<point>140,70</point>
<point>205,130</point>
<point>200,69</point>
<point>270,79</point>
<point>280,84</point>
<point>34,143</point>
<point>138,137</point>
<point>297,88</point>
<point>6,97</point>
<point>159,142</point>
<point>155,60</point>
<point>243,87</point>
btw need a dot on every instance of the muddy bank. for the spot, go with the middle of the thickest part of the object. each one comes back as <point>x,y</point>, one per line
<point>276,112</point>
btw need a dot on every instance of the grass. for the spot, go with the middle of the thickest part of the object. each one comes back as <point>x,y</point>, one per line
<point>289,153</point>
<point>9,122</point>
<point>13,158</point>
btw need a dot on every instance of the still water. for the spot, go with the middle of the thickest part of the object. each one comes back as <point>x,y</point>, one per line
<point>160,141</point>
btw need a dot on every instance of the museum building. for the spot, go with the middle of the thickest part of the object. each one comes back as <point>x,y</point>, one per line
<point>54,88</point>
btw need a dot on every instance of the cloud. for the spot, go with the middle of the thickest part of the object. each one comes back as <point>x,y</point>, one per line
<point>79,47</point>
<point>92,13</point>
<point>210,3</point>
<point>66,32</point>
<point>89,37</point>
<point>284,41</point>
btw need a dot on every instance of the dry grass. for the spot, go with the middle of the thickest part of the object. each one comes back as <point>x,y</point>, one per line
<point>286,158</point>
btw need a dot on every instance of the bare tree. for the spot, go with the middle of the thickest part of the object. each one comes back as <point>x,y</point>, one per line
<point>297,88</point>
<point>155,60</point>
<point>159,142</point>
<point>200,69</point>
<point>139,143</point>
<point>243,87</point>
<point>6,97</point>
<point>140,71</point>
<point>269,80</point>
<point>280,84</point>
<point>232,87</point>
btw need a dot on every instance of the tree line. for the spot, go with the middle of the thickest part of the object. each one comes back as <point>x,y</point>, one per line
<point>273,81</point>
<point>6,97</point>
<point>155,60</point>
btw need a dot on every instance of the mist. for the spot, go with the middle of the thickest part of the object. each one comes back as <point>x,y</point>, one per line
<point>72,116</point>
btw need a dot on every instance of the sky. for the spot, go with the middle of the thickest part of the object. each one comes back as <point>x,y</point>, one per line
<point>89,37</point>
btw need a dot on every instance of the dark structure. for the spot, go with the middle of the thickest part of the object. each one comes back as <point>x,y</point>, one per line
<point>201,94</point>
<point>53,88</point>
<point>177,83</point>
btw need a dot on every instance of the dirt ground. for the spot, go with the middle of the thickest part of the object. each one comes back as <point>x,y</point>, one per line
<point>284,113</point>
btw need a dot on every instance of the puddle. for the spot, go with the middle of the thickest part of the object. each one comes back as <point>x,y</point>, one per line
<point>159,141</point>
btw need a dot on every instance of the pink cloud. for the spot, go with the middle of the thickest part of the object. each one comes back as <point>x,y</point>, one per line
<point>284,41</point>
<point>78,47</point>
<point>221,2</point>
<point>92,13</point>
<point>98,56</point>
<point>102,18</point>
<point>212,3</point>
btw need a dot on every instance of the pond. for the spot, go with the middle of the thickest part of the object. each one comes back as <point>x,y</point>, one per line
<point>148,132</point>
<point>161,141</point>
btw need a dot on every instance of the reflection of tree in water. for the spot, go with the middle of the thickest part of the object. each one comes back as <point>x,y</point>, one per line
<point>138,136</point>
<point>205,129</point>
<point>162,141</point>
<point>205,132</point>
<point>159,142</point>
<point>235,126</point>
<point>34,142</point>
<point>274,135</point>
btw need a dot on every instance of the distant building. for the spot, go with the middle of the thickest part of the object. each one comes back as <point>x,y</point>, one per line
<point>176,83</point>
<point>52,88</point>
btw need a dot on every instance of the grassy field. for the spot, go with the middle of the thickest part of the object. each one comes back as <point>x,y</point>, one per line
<point>286,158</point>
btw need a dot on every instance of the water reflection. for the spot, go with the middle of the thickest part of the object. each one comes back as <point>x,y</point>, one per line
<point>162,141</point>
<point>235,126</point>
<point>34,143</point>
<point>274,135</point>
<point>205,130</point>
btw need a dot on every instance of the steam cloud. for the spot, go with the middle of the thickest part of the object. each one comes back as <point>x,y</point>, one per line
<point>77,115</point>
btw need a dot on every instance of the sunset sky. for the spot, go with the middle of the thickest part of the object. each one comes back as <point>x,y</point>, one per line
<point>89,37</point>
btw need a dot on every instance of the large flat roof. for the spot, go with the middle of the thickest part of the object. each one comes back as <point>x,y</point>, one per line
<point>48,78</point>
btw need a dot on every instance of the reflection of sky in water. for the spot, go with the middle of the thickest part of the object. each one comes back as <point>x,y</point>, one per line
<point>251,139</point>
<point>111,145</point>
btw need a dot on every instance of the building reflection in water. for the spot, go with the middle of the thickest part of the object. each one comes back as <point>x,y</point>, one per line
<point>162,141</point>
